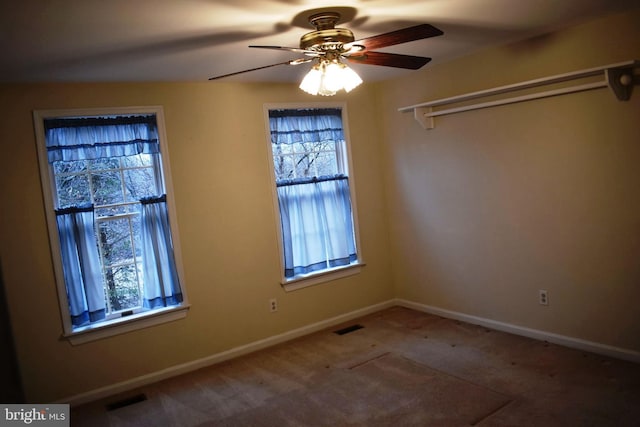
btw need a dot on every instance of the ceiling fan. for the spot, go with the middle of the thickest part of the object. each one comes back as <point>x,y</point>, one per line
<point>329,45</point>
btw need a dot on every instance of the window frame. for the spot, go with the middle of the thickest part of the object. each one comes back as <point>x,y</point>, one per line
<point>329,274</point>
<point>134,321</point>
<point>100,219</point>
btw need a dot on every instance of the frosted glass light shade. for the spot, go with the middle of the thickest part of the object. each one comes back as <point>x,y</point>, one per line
<point>328,77</point>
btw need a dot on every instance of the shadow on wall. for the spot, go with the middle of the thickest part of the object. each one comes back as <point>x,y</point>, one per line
<point>11,390</point>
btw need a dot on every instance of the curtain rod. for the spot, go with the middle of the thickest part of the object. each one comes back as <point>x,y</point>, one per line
<point>617,76</point>
<point>72,122</point>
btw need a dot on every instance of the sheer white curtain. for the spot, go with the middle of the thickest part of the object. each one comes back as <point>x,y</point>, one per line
<point>81,265</point>
<point>317,225</point>
<point>161,284</point>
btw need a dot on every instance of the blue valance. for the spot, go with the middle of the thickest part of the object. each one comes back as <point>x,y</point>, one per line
<point>81,139</point>
<point>298,126</point>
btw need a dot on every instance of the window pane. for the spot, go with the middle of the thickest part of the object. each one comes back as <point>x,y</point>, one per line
<point>139,183</point>
<point>326,164</point>
<point>283,167</point>
<point>107,188</point>
<point>122,287</point>
<point>281,149</point>
<point>312,146</point>
<point>297,148</point>
<point>115,239</point>
<point>329,146</point>
<point>73,190</point>
<point>298,171</point>
<point>104,163</point>
<point>303,166</point>
<point>137,160</point>
<point>69,167</point>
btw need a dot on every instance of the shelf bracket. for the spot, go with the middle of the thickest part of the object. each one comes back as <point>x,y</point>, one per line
<point>424,117</point>
<point>621,81</point>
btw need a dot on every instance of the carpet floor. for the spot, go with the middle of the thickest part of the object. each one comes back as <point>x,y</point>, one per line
<point>398,367</point>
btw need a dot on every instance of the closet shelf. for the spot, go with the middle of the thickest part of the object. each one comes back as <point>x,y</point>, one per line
<point>619,77</point>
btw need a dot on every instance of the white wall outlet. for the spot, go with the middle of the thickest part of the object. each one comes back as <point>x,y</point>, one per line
<point>273,305</point>
<point>543,297</point>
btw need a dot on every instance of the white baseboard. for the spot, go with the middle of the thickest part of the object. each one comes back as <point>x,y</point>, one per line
<point>577,343</point>
<point>593,347</point>
<point>220,357</point>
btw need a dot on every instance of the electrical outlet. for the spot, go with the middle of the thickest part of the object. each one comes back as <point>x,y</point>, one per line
<point>543,297</point>
<point>273,305</point>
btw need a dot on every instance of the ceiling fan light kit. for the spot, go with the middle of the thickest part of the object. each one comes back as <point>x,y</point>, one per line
<point>326,78</point>
<point>329,46</point>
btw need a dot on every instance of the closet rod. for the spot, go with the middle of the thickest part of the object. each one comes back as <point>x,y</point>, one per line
<point>617,76</point>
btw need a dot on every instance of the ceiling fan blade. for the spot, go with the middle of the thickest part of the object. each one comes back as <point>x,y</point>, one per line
<point>390,60</point>
<point>291,49</point>
<point>291,62</point>
<point>404,35</point>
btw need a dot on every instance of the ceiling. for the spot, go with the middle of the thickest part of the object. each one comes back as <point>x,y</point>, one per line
<point>192,40</point>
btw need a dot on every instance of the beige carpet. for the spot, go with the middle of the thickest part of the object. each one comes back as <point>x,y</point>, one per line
<point>402,368</point>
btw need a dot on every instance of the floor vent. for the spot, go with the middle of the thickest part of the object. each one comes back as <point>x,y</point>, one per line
<point>348,329</point>
<point>127,402</point>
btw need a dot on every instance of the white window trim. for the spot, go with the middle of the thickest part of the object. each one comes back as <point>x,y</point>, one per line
<point>136,321</point>
<point>323,276</point>
<point>126,324</point>
<point>316,278</point>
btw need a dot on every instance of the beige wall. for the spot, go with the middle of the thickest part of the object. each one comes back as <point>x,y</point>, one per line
<point>219,161</point>
<point>493,205</point>
<point>482,211</point>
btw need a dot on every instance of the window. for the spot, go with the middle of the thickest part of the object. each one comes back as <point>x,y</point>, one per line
<point>314,196</point>
<point>106,192</point>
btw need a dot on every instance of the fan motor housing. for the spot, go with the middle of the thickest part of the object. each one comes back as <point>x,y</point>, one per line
<point>326,35</point>
<point>332,36</point>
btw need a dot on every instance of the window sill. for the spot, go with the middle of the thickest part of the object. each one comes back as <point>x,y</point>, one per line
<point>304,281</point>
<point>134,322</point>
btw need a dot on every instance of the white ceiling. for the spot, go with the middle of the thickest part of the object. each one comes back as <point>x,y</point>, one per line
<point>191,40</point>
